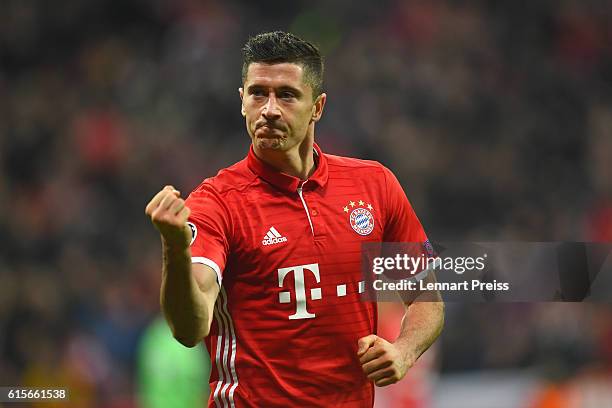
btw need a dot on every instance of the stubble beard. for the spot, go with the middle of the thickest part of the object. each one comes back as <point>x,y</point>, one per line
<point>270,143</point>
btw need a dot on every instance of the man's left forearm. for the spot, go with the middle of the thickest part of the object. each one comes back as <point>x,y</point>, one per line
<point>421,325</point>
<point>386,363</point>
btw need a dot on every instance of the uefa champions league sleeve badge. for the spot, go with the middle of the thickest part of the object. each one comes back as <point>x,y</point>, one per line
<point>194,232</point>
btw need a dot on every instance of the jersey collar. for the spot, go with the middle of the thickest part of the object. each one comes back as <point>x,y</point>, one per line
<point>285,181</point>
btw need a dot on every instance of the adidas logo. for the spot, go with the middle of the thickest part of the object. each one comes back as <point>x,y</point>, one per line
<point>273,237</point>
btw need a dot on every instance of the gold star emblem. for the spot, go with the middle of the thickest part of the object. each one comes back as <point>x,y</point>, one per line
<point>352,203</point>
<point>345,209</point>
<point>369,206</point>
<point>360,202</point>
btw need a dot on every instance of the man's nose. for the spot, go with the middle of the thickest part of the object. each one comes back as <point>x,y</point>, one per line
<point>270,110</point>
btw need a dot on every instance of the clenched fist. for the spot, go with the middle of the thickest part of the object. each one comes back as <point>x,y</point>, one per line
<point>169,215</point>
<point>383,362</point>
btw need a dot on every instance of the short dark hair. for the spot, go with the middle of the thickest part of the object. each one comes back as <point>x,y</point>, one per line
<point>277,47</point>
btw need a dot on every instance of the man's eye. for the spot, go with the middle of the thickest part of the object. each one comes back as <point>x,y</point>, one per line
<point>258,93</point>
<point>287,95</point>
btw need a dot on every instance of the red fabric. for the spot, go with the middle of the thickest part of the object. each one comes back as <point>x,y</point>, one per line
<point>260,356</point>
<point>600,223</point>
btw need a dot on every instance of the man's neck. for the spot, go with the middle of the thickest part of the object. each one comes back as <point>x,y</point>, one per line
<point>298,162</point>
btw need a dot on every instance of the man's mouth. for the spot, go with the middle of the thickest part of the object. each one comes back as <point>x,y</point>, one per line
<point>268,125</point>
<point>268,129</point>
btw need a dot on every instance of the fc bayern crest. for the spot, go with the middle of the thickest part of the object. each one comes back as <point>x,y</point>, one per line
<point>362,221</point>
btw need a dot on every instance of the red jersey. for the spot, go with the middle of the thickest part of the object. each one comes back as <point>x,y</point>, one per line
<point>287,254</point>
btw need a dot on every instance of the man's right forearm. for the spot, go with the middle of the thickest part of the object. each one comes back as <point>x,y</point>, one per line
<point>184,304</point>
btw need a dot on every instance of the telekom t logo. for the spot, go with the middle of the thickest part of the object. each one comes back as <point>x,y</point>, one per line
<point>300,290</point>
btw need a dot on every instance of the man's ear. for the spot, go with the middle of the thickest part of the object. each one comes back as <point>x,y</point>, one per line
<point>241,92</point>
<point>317,109</point>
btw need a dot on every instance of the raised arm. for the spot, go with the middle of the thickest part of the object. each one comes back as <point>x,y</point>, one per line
<point>188,291</point>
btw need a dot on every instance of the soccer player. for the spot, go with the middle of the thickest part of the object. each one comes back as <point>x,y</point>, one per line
<point>263,260</point>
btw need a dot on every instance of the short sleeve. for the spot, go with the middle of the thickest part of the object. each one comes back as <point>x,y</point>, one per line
<point>209,223</point>
<point>401,222</point>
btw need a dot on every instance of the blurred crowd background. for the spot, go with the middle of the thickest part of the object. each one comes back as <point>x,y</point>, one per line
<point>495,116</point>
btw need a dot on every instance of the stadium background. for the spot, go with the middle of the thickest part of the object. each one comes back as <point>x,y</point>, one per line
<point>496,117</point>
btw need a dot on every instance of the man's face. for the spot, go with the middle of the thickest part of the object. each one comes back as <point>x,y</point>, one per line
<point>278,105</point>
